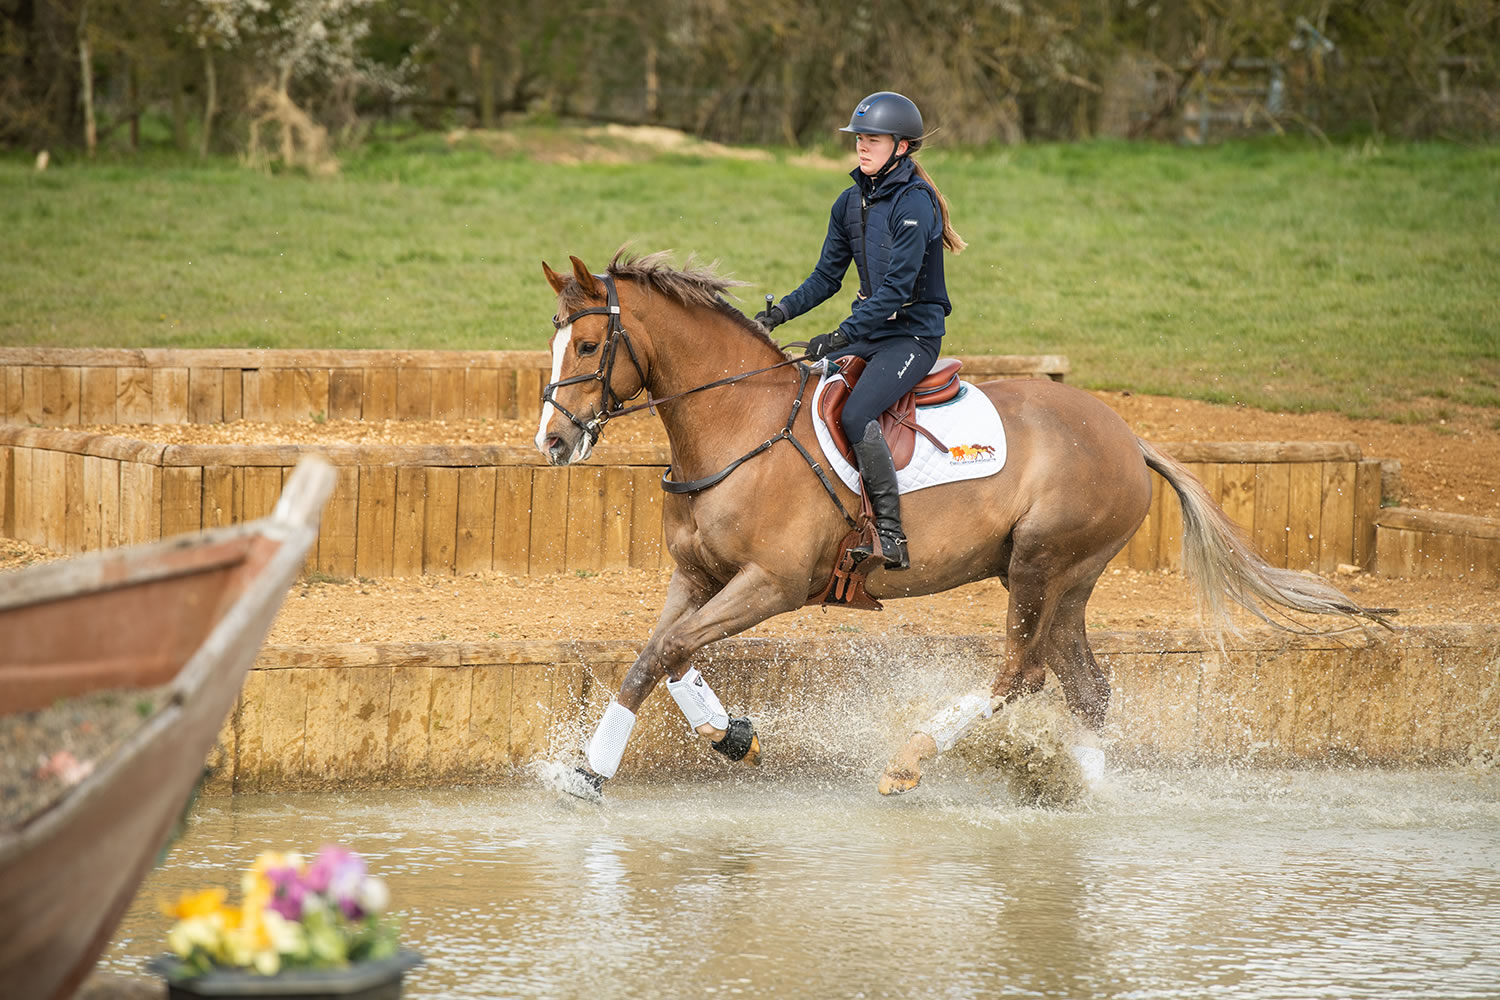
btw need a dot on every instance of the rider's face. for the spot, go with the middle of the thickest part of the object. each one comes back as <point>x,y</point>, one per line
<point>874,151</point>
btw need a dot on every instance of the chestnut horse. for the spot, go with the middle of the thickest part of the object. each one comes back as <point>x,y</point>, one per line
<point>760,533</point>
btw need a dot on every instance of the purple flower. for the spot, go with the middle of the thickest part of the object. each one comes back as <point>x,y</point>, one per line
<point>287,890</point>
<point>337,873</point>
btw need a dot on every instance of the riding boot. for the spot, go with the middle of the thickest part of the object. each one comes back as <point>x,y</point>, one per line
<point>878,470</point>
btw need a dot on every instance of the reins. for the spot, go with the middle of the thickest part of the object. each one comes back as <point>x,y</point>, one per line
<point>612,406</point>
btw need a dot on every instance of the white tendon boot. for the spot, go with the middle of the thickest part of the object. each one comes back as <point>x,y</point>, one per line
<point>698,702</point>
<point>603,752</point>
<point>949,726</point>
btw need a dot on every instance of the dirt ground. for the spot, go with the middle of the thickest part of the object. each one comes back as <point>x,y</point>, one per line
<point>1450,464</point>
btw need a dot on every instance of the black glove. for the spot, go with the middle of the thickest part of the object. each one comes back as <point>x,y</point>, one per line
<point>825,344</point>
<point>770,318</point>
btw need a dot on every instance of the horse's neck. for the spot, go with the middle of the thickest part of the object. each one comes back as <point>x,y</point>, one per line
<point>701,347</point>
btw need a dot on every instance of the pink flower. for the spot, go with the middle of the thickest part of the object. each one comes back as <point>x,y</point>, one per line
<point>287,892</point>
<point>337,873</point>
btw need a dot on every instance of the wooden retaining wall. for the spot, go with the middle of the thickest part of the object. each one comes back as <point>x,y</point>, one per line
<point>408,510</point>
<point>437,713</point>
<point>1423,543</point>
<point>70,387</point>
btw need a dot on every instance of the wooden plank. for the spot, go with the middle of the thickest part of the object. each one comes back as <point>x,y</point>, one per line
<point>481,393</point>
<point>549,520</point>
<point>273,728</point>
<point>1304,514</point>
<point>440,536</point>
<point>1169,538</point>
<point>1237,494</point>
<point>279,396</point>
<point>110,533</point>
<point>448,735</point>
<point>338,532</point>
<point>411,521</point>
<point>11,396</point>
<point>530,701</point>
<point>345,394</point>
<point>32,407</point>
<point>646,518</point>
<point>182,499</point>
<point>348,728</point>
<point>489,719</point>
<point>1336,516</point>
<point>69,396</point>
<point>220,495</point>
<point>257,395</point>
<point>234,394</point>
<point>512,534</point>
<point>410,721</point>
<point>98,403</point>
<point>1272,496</point>
<point>21,519</point>
<point>619,496</point>
<point>1438,522</point>
<point>476,520</point>
<point>529,393</point>
<point>506,407</point>
<point>310,391</point>
<point>7,491</point>
<point>205,395</point>
<point>50,497</point>
<point>379,399</point>
<point>585,518</point>
<point>1367,476</point>
<point>262,488</point>
<point>376,519</point>
<point>448,394</point>
<point>76,507</point>
<point>413,394</point>
<point>1483,558</point>
<point>169,396</point>
<point>1141,549</point>
<point>140,502</point>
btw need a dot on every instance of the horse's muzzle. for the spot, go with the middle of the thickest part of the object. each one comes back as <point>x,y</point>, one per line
<point>556,450</point>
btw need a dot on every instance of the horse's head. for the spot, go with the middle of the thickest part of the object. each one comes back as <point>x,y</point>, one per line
<point>595,367</point>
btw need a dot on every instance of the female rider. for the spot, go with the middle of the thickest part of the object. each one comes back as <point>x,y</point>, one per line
<point>893,224</point>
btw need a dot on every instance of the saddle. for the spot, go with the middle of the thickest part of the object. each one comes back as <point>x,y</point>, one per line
<point>846,585</point>
<point>899,422</point>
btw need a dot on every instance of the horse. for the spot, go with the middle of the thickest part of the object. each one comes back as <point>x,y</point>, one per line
<point>755,529</point>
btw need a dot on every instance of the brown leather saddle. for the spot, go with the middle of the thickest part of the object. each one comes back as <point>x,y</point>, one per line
<point>846,585</point>
<point>899,422</point>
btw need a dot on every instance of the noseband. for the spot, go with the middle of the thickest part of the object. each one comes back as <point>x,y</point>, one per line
<point>610,405</point>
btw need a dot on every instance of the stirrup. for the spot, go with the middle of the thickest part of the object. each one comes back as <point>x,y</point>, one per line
<point>892,549</point>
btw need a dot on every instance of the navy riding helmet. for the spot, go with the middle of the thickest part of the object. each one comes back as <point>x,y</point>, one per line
<point>886,113</point>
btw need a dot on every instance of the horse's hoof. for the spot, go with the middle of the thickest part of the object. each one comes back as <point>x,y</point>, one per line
<point>739,742</point>
<point>752,756</point>
<point>582,784</point>
<point>895,780</point>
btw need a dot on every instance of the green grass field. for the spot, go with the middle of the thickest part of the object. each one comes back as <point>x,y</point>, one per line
<point>1274,273</point>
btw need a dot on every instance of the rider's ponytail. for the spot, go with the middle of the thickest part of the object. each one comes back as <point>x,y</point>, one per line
<point>951,240</point>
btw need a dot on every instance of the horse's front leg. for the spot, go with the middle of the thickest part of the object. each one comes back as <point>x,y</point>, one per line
<point>749,598</point>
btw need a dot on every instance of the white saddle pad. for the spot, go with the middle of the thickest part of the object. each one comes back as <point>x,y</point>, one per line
<point>967,424</point>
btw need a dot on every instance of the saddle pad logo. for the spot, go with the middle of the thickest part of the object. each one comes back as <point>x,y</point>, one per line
<point>963,453</point>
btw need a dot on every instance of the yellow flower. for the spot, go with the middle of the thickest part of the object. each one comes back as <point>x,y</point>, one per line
<point>196,904</point>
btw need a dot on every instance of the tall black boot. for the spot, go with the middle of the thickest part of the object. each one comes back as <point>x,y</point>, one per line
<point>878,470</point>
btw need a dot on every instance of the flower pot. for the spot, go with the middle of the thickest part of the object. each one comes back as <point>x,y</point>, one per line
<point>375,980</point>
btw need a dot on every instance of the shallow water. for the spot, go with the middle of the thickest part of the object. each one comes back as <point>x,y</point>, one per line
<point>1160,884</point>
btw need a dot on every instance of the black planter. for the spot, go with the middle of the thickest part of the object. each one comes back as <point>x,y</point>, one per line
<point>377,980</point>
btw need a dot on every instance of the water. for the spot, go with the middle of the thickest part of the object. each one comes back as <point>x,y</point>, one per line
<point>1188,883</point>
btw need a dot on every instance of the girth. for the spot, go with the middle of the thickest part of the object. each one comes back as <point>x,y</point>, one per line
<point>899,422</point>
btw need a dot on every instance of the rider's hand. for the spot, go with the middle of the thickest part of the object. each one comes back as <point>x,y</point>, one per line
<point>825,344</point>
<point>770,318</point>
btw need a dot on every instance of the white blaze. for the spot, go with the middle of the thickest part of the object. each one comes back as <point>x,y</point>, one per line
<point>559,348</point>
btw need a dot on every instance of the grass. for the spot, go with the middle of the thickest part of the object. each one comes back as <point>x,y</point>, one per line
<point>1280,274</point>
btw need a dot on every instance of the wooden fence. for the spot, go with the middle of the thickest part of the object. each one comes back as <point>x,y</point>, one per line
<point>407,510</point>
<point>1425,543</point>
<point>404,715</point>
<point>71,387</point>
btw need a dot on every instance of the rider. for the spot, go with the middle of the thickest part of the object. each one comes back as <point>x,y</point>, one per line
<point>893,224</point>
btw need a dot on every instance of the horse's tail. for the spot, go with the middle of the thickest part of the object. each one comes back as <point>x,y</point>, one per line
<point>1223,567</point>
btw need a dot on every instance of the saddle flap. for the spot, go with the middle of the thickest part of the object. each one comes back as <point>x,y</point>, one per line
<point>898,422</point>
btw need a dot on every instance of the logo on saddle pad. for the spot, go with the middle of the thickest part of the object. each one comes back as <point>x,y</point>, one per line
<point>961,453</point>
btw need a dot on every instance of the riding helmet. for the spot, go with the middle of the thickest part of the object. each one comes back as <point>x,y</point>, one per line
<point>886,113</point>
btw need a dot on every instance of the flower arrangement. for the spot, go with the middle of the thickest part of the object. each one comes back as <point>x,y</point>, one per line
<point>295,915</point>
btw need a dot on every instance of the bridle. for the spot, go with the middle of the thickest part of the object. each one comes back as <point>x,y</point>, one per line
<point>610,405</point>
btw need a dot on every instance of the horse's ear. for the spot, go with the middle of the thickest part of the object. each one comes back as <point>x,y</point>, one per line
<point>586,279</point>
<point>557,281</point>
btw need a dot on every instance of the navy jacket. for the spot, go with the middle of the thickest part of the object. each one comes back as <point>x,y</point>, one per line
<point>893,232</point>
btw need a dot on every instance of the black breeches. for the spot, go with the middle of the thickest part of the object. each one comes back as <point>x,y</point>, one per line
<point>892,367</point>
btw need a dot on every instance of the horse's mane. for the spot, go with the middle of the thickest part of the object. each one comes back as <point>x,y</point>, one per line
<point>692,284</point>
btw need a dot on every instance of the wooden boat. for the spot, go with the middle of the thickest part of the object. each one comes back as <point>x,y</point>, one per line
<point>190,613</point>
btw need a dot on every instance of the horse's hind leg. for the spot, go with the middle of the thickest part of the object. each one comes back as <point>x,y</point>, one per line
<point>1084,683</point>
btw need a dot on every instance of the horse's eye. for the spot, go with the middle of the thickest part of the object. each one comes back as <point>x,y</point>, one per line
<point>587,348</point>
